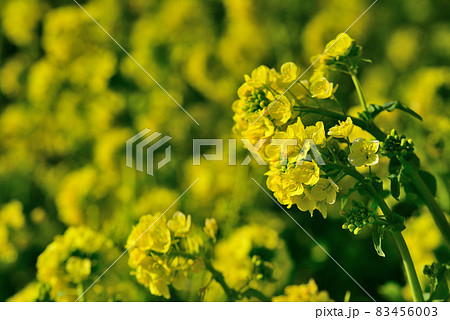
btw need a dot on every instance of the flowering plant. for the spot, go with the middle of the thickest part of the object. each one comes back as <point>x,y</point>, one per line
<point>272,105</point>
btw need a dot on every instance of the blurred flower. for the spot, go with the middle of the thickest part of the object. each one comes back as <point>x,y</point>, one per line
<point>179,224</point>
<point>20,19</point>
<point>303,293</point>
<point>233,257</point>
<point>159,261</point>
<point>78,257</point>
<point>211,228</point>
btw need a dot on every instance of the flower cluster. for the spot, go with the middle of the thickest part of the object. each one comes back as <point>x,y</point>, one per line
<point>267,110</point>
<point>308,292</point>
<point>254,256</point>
<point>12,222</point>
<point>263,104</point>
<point>343,47</point>
<point>73,261</point>
<point>163,253</point>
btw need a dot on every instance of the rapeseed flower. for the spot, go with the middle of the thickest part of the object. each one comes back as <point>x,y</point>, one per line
<point>343,130</point>
<point>340,46</point>
<point>179,224</point>
<point>364,152</point>
<point>322,89</point>
<point>308,292</point>
<point>74,260</point>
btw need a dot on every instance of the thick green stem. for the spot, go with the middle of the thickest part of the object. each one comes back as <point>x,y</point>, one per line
<point>410,271</point>
<point>436,211</point>
<point>411,171</point>
<point>250,292</point>
<point>409,267</point>
<point>359,90</point>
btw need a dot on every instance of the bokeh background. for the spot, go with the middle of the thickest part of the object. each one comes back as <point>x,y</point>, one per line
<point>70,98</point>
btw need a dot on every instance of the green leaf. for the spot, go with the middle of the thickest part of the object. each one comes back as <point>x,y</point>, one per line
<point>397,222</point>
<point>429,180</point>
<point>374,109</point>
<point>361,187</point>
<point>406,208</point>
<point>395,166</point>
<point>439,275</point>
<point>401,106</point>
<point>395,186</point>
<point>377,184</point>
<point>441,291</point>
<point>377,237</point>
<point>413,159</point>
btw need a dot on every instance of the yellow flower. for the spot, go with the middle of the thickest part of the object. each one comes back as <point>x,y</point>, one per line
<point>316,133</point>
<point>211,227</point>
<point>233,257</point>
<point>280,110</point>
<point>340,46</point>
<point>157,264</point>
<point>179,224</point>
<point>307,173</point>
<point>303,293</point>
<point>80,254</point>
<point>325,190</point>
<point>322,89</point>
<point>305,202</point>
<point>289,72</point>
<point>150,234</point>
<point>290,184</point>
<point>258,128</point>
<point>324,193</point>
<point>260,77</point>
<point>297,131</point>
<point>275,152</point>
<point>28,294</point>
<point>343,130</point>
<point>78,268</point>
<point>364,152</point>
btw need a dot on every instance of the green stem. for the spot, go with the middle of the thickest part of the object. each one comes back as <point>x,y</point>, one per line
<point>410,271</point>
<point>232,295</point>
<point>80,291</point>
<point>250,293</point>
<point>218,276</point>
<point>409,267</point>
<point>436,211</point>
<point>358,89</point>
<point>339,104</point>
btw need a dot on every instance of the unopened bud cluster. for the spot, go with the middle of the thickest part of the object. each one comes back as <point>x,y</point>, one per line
<point>357,217</point>
<point>396,145</point>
